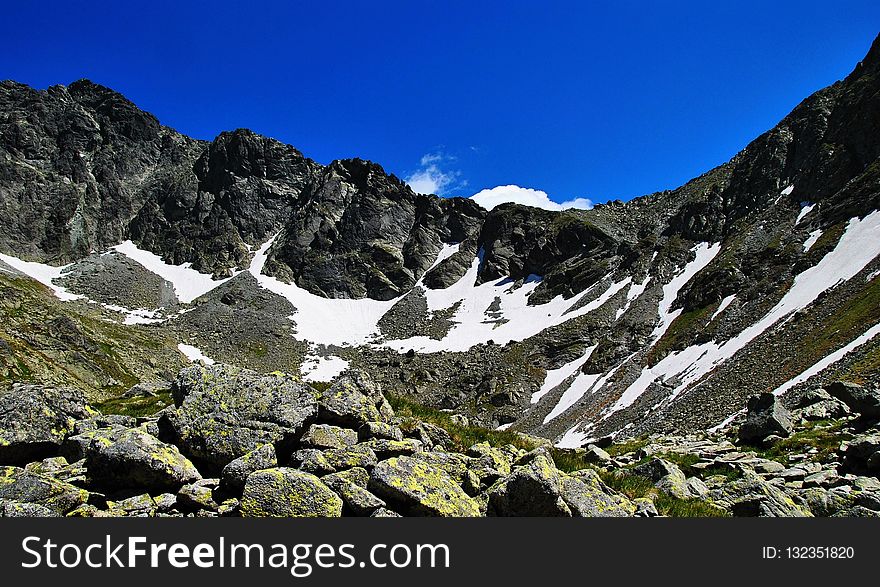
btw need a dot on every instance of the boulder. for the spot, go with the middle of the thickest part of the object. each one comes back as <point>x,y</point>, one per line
<point>587,496</point>
<point>863,400</point>
<point>22,486</point>
<point>199,495</point>
<point>128,457</point>
<point>18,509</point>
<point>665,476</point>
<point>379,430</point>
<point>323,436</point>
<point>532,489</point>
<point>224,412</point>
<point>352,401</point>
<point>751,496</point>
<point>862,455</point>
<point>283,492</point>
<point>356,499</point>
<point>420,488</point>
<point>236,472</point>
<point>765,416</point>
<point>34,420</point>
<point>385,449</point>
<point>488,463</point>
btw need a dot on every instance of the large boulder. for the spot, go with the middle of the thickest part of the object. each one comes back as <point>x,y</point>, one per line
<point>235,474</point>
<point>863,400</point>
<point>34,419</point>
<point>532,489</point>
<point>18,509</point>
<point>588,497</point>
<point>421,489</point>
<point>284,493</point>
<point>862,455</point>
<point>352,401</point>
<point>224,412</point>
<point>752,496</point>
<point>129,457</point>
<point>19,485</point>
<point>765,417</point>
<point>356,499</point>
<point>665,476</point>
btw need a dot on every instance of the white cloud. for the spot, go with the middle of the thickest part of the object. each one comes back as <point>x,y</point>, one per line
<point>503,194</point>
<point>431,179</point>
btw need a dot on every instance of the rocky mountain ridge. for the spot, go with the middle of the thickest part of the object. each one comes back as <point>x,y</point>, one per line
<point>655,315</point>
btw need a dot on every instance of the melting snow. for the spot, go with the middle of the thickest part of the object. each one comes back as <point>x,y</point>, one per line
<point>635,290</point>
<point>805,209</point>
<point>139,316</point>
<point>814,236</point>
<point>704,255</point>
<point>787,191</point>
<point>829,360</point>
<point>316,368</point>
<point>45,274</point>
<point>188,283</point>
<point>722,306</point>
<point>858,246</point>
<point>556,376</point>
<point>194,354</point>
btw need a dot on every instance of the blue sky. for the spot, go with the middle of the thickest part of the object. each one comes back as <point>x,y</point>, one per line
<point>596,100</point>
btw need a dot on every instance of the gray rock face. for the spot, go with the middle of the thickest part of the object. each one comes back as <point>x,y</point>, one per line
<point>863,400</point>
<point>18,509</point>
<point>323,436</point>
<point>751,496</point>
<point>421,489</point>
<point>236,472</point>
<point>224,412</point>
<point>765,417</point>
<point>666,476</point>
<point>34,420</point>
<point>534,489</point>
<point>284,492</point>
<point>123,458</point>
<point>19,485</point>
<point>353,400</point>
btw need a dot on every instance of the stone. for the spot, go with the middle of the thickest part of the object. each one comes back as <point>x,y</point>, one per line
<point>531,489</point>
<point>199,495</point>
<point>356,475</point>
<point>323,436</point>
<point>587,496</point>
<point>379,430</point>
<point>488,463</point>
<point>696,487</point>
<point>862,400</point>
<point>645,508</point>
<point>356,499</point>
<point>859,455</point>
<point>765,416</point>
<point>352,401</point>
<point>385,449</point>
<point>420,488</point>
<point>235,473</point>
<point>58,497</point>
<point>18,509</point>
<point>751,496</point>
<point>224,412</point>
<point>665,476</point>
<point>128,457</point>
<point>35,419</point>
<point>385,513</point>
<point>284,492</point>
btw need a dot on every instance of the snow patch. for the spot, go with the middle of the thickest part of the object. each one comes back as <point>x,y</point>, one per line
<point>805,209</point>
<point>138,316</point>
<point>194,354</point>
<point>704,253</point>
<point>723,306</point>
<point>188,283</point>
<point>787,191</point>
<point>44,274</point>
<point>814,236</point>
<point>826,362</point>
<point>316,368</point>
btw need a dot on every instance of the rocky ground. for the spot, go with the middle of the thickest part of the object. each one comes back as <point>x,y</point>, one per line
<point>234,442</point>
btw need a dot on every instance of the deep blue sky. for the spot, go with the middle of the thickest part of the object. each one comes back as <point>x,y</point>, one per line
<point>581,99</point>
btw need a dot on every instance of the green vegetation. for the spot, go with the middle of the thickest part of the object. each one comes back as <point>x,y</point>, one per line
<point>135,406</point>
<point>463,436</point>
<point>635,487</point>
<point>823,435</point>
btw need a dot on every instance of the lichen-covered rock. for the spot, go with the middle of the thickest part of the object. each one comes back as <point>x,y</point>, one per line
<point>138,506</point>
<point>765,417</point>
<point>19,485</point>
<point>34,419</point>
<point>199,495</point>
<point>488,463</point>
<point>863,400</point>
<point>18,509</point>
<point>236,472</point>
<point>356,499</point>
<point>386,449</point>
<point>284,492</point>
<point>587,496</point>
<point>420,488</point>
<point>323,436</point>
<point>128,457</point>
<point>224,412</point>
<point>454,464</point>
<point>380,430</point>
<point>358,455</point>
<point>751,496</point>
<point>665,476</point>
<point>353,400</point>
<point>532,489</point>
